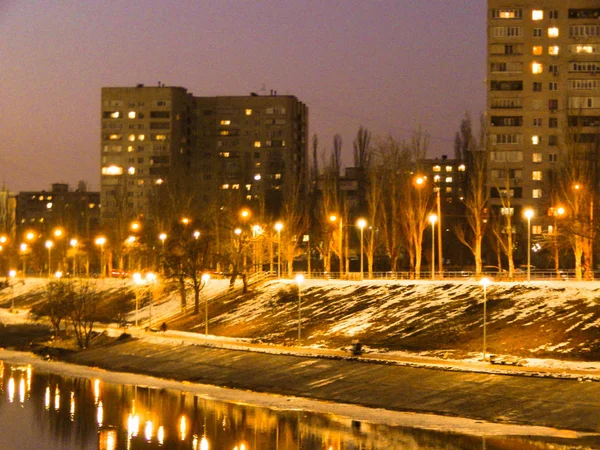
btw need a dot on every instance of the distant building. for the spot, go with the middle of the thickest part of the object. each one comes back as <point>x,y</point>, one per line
<point>543,75</point>
<point>76,212</point>
<point>250,146</point>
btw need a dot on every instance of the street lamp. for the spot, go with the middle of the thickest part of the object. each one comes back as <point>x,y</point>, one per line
<point>205,278</point>
<point>528,214</point>
<point>557,212</point>
<point>100,241</point>
<point>162,237</point>
<point>433,219</point>
<point>23,249</point>
<point>74,243</point>
<point>150,278</point>
<point>361,223</point>
<point>278,227</point>
<point>299,280</point>
<point>49,245</point>
<point>12,273</point>
<point>485,282</point>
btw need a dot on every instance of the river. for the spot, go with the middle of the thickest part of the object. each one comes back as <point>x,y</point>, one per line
<point>41,410</point>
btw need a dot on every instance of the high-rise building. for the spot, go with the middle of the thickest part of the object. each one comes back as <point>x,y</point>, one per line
<point>543,78</point>
<point>249,146</point>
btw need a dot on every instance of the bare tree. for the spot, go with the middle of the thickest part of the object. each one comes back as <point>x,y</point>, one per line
<point>395,166</point>
<point>417,201</point>
<point>472,233</point>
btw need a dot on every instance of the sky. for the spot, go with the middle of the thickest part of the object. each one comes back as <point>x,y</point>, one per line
<point>391,66</point>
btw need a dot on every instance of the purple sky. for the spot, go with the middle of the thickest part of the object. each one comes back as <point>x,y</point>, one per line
<point>391,66</point>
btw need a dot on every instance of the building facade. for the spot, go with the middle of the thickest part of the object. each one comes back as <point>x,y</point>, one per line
<point>543,77</point>
<point>248,146</point>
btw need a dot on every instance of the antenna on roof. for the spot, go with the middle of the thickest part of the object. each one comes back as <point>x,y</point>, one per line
<point>263,89</point>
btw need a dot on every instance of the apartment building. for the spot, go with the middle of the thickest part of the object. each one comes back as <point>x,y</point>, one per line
<point>248,146</point>
<point>543,76</point>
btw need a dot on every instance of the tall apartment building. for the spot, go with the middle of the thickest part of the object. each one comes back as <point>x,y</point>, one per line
<point>543,75</point>
<point>249,146</point>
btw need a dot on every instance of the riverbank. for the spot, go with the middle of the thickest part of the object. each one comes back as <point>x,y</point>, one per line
<point>501,397</point>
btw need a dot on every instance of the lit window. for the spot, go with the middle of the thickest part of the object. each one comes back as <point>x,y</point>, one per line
<point>141,137</point>
<point>115,115</point>
<point>436,178</point>
<point>225,186</point>
<point>248,187</point>
<point>437,168</point>
<point>160,137</point>
<point>112,170</point>
<point>536,193</point>
<point>448,179</point>
<point>536,68</point>
<point>257,177</point>
<point>131,115</point>
<point>536,229</point>
<point>235,186</point>
<point>131,171</point>
<point>159,181</point>
<point>507,211</point>
<point>553,50</point>
<point>448,168</point>
<point>114,137</point>
<point>461,168</point>
<point>225,122</point>
<point>49,205</point>
<point>131,137</point>
<point>584,49</point>
<point>130,148</point>
<point>224,154</point>
<point>257,144</point>
<point>224,132</point>
<point>538,50</point>
<point>537,158</point>
<point>535,140</point>
<point>248,112</point>
<point>553,32</point>
<point>536,175</point>
<point>277,176</point>
<point>537,14</point>
<point>448,191</point>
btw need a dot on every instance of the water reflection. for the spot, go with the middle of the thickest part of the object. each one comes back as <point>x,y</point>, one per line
<point>49,411</point>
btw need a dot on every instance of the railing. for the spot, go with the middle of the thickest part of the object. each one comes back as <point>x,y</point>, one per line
<point>519,275</point>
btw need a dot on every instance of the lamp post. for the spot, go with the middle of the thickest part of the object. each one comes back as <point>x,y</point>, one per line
<point>12,274</point>
<point>299,280</point>
<point>557,212</point>
<point>278,227</point>
<point>528,214</point>
<point>100,241</point>
<point>361,223</point>
<point>23,248</point>
<point>205,278</point>
<point>49,245</point>
<point>484,283</point>
<point>74,243</point>
<point>436,187</point>
<point>151,278</point>
<point>162,237</point>
<point>433,219</point>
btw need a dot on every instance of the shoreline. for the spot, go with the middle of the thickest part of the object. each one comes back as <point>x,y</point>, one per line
<point>431,422</point>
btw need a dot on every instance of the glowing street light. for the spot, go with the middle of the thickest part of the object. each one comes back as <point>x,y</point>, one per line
<point>100,241</point>
<point>433,219</point>
<point>528,214</point>
<point>205,279</point>
<point>361,223</point>
<point>23,249</point>
<point>299,281</point>
<point>196,234</point>
<point>485,282</point>
<point>49,245</point>
<point>278,227</point>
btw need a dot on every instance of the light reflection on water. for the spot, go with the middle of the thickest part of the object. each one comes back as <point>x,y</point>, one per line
<point>49,411</point>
